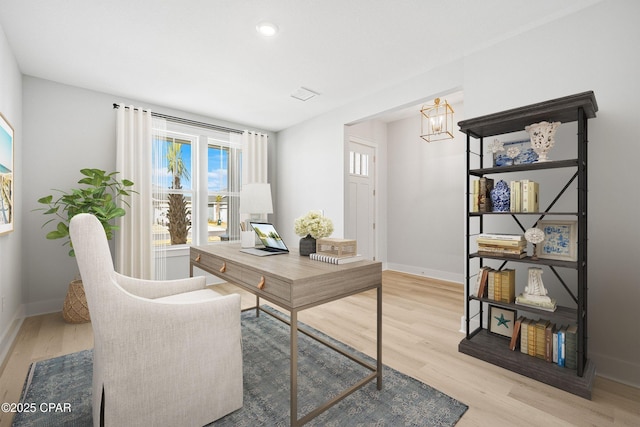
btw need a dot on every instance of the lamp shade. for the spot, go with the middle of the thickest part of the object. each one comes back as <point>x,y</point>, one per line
<point>256,199</point>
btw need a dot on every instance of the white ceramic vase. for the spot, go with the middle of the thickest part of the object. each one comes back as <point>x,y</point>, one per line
<point>542,138</point>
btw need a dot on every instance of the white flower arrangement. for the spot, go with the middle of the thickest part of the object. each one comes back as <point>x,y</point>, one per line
<point>513,152</point>
<point>495,146</point>
<point>314,224</point>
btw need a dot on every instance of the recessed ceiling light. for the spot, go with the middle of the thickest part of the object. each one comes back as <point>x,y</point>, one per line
<point>303,94</point>
<point>267,29</point>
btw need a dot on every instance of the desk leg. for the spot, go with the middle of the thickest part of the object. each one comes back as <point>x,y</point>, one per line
<point>379,338</point>
<point>257,306</point>
<point>294,368</point>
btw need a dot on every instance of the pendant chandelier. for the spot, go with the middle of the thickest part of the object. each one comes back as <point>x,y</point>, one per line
<point>436,121</point>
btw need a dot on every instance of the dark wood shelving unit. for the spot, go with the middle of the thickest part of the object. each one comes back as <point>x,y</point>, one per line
<point>495,349</point>
<point>562,314</point>
<point>529,260</point>
<point>483,346</point>
<point>556,164</point>
<point>522,213</point>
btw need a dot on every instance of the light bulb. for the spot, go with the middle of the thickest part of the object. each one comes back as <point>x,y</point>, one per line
<point>267,29</point>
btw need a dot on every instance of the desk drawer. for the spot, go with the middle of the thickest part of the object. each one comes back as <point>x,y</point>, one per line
<point>267,285</point>
<point>224,269</point>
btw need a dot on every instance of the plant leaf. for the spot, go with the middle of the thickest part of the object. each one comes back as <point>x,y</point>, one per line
<point>45,200</point>
<point>55,235</point>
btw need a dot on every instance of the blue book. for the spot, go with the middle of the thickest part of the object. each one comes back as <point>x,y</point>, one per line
<point>561,345</point>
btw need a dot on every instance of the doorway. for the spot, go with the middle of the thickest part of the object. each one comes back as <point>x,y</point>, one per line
<point>361,195</point>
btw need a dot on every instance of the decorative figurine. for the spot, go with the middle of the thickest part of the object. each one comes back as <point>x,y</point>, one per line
<point>535,294</point>
<point>534,236</point>
<point>512,153</point>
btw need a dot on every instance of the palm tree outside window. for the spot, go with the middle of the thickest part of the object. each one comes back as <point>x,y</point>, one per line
<point>196,188</point>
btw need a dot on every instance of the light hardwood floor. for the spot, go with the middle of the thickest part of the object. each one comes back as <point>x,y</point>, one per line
<point>420,338</point>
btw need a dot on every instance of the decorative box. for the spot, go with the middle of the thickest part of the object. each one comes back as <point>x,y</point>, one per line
<point>336,247</point>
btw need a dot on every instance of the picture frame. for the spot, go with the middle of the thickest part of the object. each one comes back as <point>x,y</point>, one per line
<point>526,156</point>
<point>501,321</point>
<point>560,240</point>
<point>6,176</point>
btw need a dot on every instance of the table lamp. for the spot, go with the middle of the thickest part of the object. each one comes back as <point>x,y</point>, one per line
<point>255,200</point>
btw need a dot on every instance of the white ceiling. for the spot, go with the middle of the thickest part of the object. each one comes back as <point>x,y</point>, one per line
<point>205,57</point>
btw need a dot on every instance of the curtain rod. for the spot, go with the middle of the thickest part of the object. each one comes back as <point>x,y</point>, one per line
<point>188,122</point>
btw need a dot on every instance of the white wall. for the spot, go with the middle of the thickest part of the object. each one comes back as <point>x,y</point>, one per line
<point>591,50</point>
<point>311,155</point>
<point>425,203</point>
<point>66,129</point>
<point>11,243</point>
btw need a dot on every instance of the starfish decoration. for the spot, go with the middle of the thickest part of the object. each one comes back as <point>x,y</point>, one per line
<point>502,321</point>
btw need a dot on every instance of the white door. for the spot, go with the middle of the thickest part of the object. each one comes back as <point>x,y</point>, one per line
<point>362,197</point>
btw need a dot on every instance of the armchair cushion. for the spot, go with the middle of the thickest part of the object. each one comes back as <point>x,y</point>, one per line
<point>157,289</point>
<point>190,297</point>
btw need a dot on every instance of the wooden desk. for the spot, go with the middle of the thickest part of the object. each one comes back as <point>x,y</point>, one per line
<point>296,283</point>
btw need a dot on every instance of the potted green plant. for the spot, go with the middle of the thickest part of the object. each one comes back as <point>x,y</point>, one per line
<point>97,195</point>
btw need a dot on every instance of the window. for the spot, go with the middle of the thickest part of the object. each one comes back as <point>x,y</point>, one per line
<point>358,163</point>
<point>196,186</point>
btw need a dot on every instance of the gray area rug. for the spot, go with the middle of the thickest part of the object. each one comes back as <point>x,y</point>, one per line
<point>322,373</point>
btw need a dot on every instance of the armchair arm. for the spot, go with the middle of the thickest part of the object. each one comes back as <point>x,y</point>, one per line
<point>153,289</point>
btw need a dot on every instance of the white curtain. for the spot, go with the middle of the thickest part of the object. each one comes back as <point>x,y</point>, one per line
<point>134,252</point>
<point>254,158</point>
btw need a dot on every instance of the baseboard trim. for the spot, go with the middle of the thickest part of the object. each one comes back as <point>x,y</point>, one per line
<point>474,324</point>
<point>44,307</point>
<point>9,335</point>
<point>426,272</point>
<point>622,371</point>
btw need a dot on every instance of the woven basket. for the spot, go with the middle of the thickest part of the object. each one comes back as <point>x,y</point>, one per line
<point>75,308</point>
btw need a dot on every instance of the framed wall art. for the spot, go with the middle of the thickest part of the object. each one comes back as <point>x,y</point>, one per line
<point>6,176</point>
<point>515,153</point>
<point>501,321</point>
<point>560,240</point>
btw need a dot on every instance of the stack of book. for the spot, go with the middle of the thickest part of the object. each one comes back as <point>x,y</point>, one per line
<point>482,195</point>
<point>524,196</point>
<point>544,340</point>
<point>336,251</point>
<point>502,245</point>
<point>496,285</point>
<point>502,285</point>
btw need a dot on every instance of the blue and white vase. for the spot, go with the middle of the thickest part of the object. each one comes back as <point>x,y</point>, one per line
<point>501,197</point>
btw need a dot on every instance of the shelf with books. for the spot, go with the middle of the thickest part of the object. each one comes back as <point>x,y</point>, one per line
<point>529,260</point>
<point>492,349</point>
<point>478,341</point>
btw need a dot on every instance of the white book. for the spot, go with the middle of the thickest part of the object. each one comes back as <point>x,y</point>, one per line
<point>526,193</point>
<point>495,236</point>
<point>330,259</point>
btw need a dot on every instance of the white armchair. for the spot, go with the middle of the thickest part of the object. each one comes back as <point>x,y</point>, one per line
<point>165,352</point>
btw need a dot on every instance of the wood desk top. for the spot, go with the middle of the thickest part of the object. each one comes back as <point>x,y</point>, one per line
<point>289,280</point>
